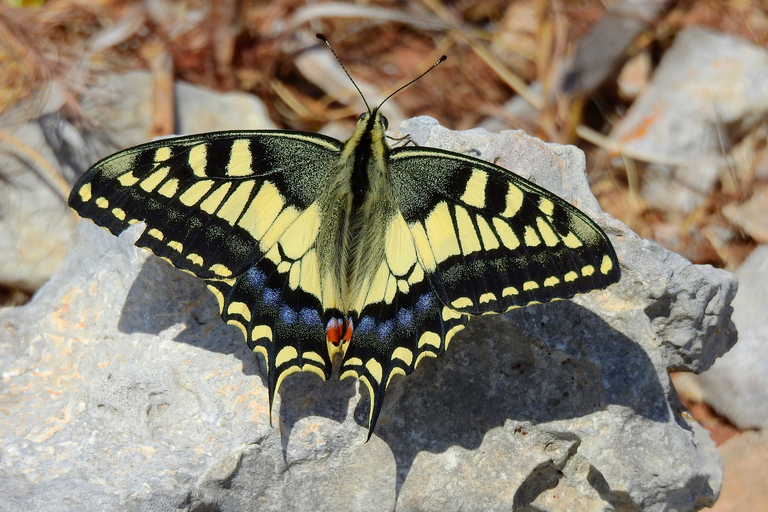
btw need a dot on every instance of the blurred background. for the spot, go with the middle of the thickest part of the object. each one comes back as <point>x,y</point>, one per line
<point>668,99</point>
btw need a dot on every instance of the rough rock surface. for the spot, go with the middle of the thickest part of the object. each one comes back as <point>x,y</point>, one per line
<point>123,390</point>
<point>737,384</point>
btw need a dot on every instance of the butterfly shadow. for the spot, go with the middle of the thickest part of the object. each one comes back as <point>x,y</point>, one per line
<point>531,366</point>
<point>162,297</point>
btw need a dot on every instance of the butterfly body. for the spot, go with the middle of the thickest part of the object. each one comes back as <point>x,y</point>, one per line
<point>315,247</point>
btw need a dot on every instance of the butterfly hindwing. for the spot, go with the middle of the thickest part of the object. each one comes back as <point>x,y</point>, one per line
<point>489,240</point>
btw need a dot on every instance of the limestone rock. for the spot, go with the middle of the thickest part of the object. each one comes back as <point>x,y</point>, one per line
<point>737,384</point>
<point>123,390</point>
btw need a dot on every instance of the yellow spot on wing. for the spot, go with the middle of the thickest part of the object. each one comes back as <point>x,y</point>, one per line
<point>551,281</point>
<point>169,188</point>
<point>429,338</point>
<point>570,276</point>
<point>467,235</point>
<point>588,270</point>
<point>196,192</point>
<point>530,237</point>
<point>404,355</point>
<point>119,213</point>
<point>546,206</point>
<point>262,210</point>
<point>102,202</point>
<point>549,236</point>
<point>162,154</point>
<point>474,194</point>
<point>461,302</point>
<point>176,246</point>
<point>509,290</point>
<point>451,333</point>
<point>301,235</point>
<point>213,201</point>
<point>374,368</point>
<point>508,237</point>
<point>606,265</point>
<point>442,237</point>
<point>530,285</point>
<point>151,182</point>
<point>233,207</point>
<point>313,356</point>
<point>156,233</point>
<point>490,241</point>
<point>85,192</point>
<point>198,159</point>
<point>239,308</point>
<point>450,314</point>
<point>240,159</point>
<point>354,361</point>
<point>261,331</point>
<point>487,297</point>
<point>219,296</point>
<point>514,200</point>
<point>195,258</point>
<point>128,179</point>
<point>221,270</point>
<point>426,256</point>
<point>571,241</point>
<point>285,355</point>
<point>417,275</point>
<point>399,246</point>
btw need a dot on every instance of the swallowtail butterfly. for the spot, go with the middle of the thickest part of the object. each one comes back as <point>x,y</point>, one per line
<point>315,247</point>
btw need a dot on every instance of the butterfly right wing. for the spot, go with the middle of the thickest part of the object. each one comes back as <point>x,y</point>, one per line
<point>239,210</point>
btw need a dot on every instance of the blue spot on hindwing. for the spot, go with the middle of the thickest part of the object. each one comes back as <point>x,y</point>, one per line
<point>309,316</point>
<point>425,303</point>
<point>366,325</point>
<point>405,317</point>
<point>270,296</point>
<point>288,315</point>
<point>256,277</point>
<point>385,329</point>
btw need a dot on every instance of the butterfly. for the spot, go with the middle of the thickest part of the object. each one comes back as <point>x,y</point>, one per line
<point>319,249</point>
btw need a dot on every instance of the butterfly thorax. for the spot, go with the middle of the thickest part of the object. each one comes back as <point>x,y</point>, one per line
<point>358,208</point>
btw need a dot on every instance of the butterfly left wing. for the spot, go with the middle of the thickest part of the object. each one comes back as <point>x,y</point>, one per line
<point>239,210</point>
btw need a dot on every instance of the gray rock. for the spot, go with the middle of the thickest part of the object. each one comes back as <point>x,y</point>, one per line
<point>737,384</point>
<point>708,91</point>
<point>122,389</point>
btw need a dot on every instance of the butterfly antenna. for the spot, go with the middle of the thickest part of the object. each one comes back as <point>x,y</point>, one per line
<point>439,61</point>
<point>328,44</point>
